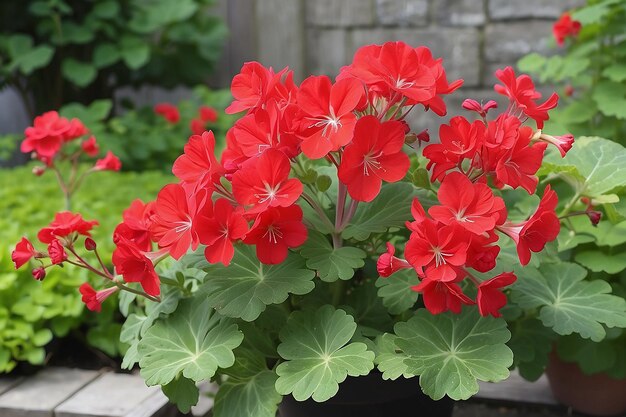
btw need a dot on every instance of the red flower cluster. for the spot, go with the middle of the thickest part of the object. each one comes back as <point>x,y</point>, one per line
<point>251,195</point>
<point>564,28</point>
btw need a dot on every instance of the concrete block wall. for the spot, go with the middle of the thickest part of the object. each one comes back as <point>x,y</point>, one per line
<point>475,37</point>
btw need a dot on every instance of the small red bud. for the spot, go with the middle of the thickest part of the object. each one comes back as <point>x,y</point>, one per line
<point>569,90</point>
<point>594,216</point>
<point>39,273</point>
<point>38,170</point>
<point>90,244</point>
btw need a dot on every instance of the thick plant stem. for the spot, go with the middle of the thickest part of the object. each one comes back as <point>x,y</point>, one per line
<point>318,210</point>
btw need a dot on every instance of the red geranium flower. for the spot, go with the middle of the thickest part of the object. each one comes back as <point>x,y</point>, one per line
<point>375,154</point>
<point>134,266</point>
<point>458,141</point>
<point>533,234</point>
<point>253,86</point>
<point>442,86</point>
<point>24,252</point>
<point>564,28</point>
<point>437,249</point>
<point>563,143</point>
<point>207,114</point>
<point>441,296</point>
<point>168,111</point>
<point>327,112</point>
<point>481,109</point>
<point>517,166</point>
<point>393,67</point>
<point>46,135</point>
<point>219,229</point>
<point>259,131</point>
<point>90,146</point>
<point>275,231</point>
<point>93,299</point>
<point>471,206</point>
<point>521,91</point>
<point>110,162</point>
<point>136,224</point>
<point>264,182</point>
<point>172,224</point>
<point>56,252</point>
<point>197,126</point>
<point>76,130</point>
<point>490,298</point>
<point>65,224</point>
<point>481,253</point>
<point>198,163</point>
<point>388,264</point>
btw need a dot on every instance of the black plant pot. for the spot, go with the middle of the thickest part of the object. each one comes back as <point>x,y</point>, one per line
<point>371,396</point>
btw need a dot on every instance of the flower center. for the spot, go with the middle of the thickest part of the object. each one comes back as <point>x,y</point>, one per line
<point>183,225</point>
<point>440,257</point>
<point>329,124</point>
<point>370,162</point>
<point>402,84</point>
<point>273,234</point>
<point>269,193</point>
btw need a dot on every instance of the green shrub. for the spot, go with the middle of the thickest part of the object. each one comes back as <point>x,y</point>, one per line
<point>31,313</point>
<point>593,69</point>
<point>59,51</point>
<point>144,140</point>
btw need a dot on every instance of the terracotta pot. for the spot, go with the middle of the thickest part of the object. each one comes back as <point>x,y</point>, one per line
<point>596,395</point>
<point>371,396</point>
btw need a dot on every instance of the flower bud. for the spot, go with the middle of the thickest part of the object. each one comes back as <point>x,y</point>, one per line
<point>39,273</point>
<point>90,244</point>
<point>38,170</point>
<point>595,216</point>
<point>569,90</point>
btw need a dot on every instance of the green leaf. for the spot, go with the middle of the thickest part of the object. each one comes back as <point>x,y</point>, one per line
<point>569,239</point>
<point>96,112</point>
<point>615,72</point>
<point>105,54</point>
<point>367,308</point>
<point>591,357</point>
<point>611,98</point>
<point>390,209</point>
<point>106,9</point>
<point>597,166</point>
<point>194,341</point>
<point>451,352</point>
<point>183,392</point>
<point>76,34</point>
<point>249,390</point>
<point>531,342</point>
<point>389,359</point>
<point>79,73</point>
<point>317,354</point>
<point>396,292</point>
<point>601,262</point>
<point>532,62</point>
<point>567,303</point>
<point>331,264</point>
<point>134,51</point>
<point>246,287</point>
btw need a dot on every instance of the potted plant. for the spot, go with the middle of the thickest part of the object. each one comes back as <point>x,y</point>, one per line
<point>331,245</point>
<point>592,77</point>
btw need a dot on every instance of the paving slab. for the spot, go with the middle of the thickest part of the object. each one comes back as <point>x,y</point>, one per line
<point>114,395</point>
<point>517,389</point>
<point>39,395</point>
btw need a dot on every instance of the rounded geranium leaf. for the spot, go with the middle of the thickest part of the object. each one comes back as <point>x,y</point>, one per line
<point>569,304</point>
<point>452,352</point>
<point>331,263</point>
<point>318,355</point>
<point>247,286</point>
<point>194,341</point>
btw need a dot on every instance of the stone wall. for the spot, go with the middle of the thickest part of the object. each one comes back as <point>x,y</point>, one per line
<point>475,37</point>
